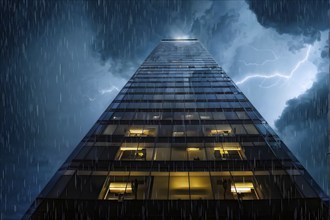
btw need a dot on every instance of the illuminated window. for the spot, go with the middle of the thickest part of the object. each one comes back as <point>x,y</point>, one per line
<point>225,151</point>
<point>246,187</point>
<point>222,132</point>
<point>200,185</point>
<point>131,154</point>
<point>196,153</point>
<point>125,185</point>
<point>138,132</point>
<point>179,185</point>
<point>118,187</point>
<point>135,151</point>
<point>141,132</point>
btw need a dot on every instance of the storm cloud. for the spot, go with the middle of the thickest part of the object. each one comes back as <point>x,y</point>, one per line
<point>63,62</point>
<point>300,17</point>
<point>303,124</point>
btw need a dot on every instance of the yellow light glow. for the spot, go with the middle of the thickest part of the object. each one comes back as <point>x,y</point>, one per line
<point>181,36</point>
<point>120,187</point>
<point>192,149</point>
<point>220,131</point>
<point>242,187</point>
<point>138,132</point>
<point>130,148</point>
<point>227,148</point>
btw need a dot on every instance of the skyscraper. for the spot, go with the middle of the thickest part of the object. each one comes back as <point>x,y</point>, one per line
<point>180,140</point>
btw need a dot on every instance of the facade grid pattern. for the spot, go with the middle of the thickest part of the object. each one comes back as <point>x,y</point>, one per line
<point>180,129</point>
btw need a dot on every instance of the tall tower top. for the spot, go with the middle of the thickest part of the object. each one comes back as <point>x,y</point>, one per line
<point>179,39</point>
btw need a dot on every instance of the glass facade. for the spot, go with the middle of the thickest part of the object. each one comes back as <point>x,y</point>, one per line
<point>180,130</point>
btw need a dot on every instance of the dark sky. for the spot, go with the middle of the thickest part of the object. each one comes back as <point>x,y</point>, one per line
<point>62,63</point>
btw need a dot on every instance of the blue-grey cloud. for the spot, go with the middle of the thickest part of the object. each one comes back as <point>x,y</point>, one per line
<point>303,125</point>
<point>60,61</point>
<point>300,17</point>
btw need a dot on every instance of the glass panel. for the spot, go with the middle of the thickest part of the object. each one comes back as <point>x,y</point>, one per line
<point>238,129</point>
<point>179,152</point>
<point>243,188</point>
<point>136,131</point>
<point>217,130</point>
<point>221,186</point>
<point>191,116</point>
<point>219,116</point>
<point>140,116</point>
<point>196,153</point>
<point>162,151</point>
<point>110,129</point>
<point>167,116</point>
<point>179,185</point>
<point>231,115</point>
<point>139,185</point>
<point>178,131</point>
<point>117,116</point>
<point>165,131</point>
<point>205,115</point>
<point>128,116</point>
<point>135,151</point>
<point>193,130</point>
<point>251,129</point>
<point>179,115</point>
<point>200,186</point>
<point>121,130</point>
<point>116,187</point>
<point>160,187</point>
<point>154,115</point>
<point>242,115</point>
<point>225,151</point>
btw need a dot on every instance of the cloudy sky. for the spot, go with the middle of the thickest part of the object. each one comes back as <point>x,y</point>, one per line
<point>63,62</point>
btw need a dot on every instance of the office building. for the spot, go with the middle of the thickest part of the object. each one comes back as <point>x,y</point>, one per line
<point>181,141</point>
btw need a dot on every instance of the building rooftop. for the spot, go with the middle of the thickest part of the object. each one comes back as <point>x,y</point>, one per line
<point>179,39</point>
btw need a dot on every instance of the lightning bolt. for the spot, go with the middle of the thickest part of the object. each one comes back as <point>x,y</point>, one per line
<point>103,91</point>
<point>279,75</point>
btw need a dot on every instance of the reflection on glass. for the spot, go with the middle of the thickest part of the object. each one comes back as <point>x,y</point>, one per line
<point>178,133</point>
<point>222,132</point>
<point>160,187</point>
<point>138,132</point>
<point>200,187</point>
<point>179,186</point>
<point>246,187</point>
<point>129,153</point>
<point>225,151</point>
<point>178,152</point>
<point>120,188</point>
<point>195,153</point>
<point>141,132</point>
<point>162,153</point>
